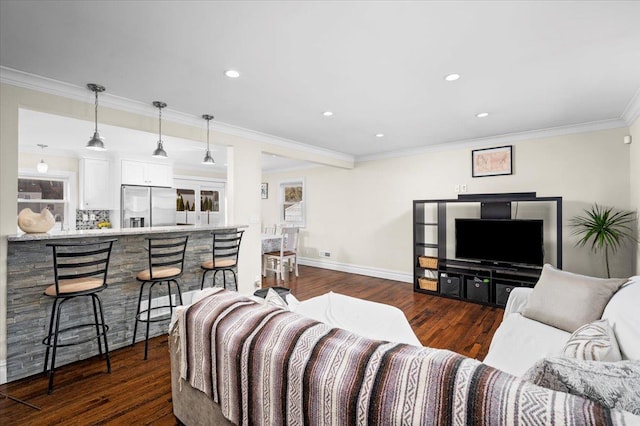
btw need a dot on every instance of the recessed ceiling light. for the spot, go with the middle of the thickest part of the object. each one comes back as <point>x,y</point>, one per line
<point>232,73</point>
<point>327,113</point>
<point>379,135</point>
<point>452,77</point>
<point>482,114</point>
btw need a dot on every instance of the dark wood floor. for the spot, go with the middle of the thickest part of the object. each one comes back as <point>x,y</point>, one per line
<point>139,392</point>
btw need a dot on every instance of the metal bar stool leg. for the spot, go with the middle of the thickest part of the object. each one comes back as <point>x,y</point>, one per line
<point>204,274</point>
<point>179,291</point>
<point>47,341</point>
<point>95,317</point>
<point>146,336</point>
<point>55,347</point>
<point>170,298</point>
<point>104,333</point>
<point>135,326</point>
<point>235,278</point>
<point>214,277</point>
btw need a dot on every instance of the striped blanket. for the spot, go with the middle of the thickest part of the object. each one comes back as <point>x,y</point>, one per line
<point>268,366</point>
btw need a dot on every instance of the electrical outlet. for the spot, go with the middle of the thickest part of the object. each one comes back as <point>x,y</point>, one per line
<point>325,254</point>
<point>456,188</point>
<point>463,187</point>
<point>92,216</point>
<point>85,217</point>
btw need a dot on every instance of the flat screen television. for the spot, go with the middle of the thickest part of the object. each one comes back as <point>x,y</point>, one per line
<point>500,241</point>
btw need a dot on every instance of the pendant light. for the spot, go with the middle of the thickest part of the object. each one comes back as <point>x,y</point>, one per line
<point>159,152</point>
<point>42,167</point>
<point>208,159</point>
<point>96,143</point>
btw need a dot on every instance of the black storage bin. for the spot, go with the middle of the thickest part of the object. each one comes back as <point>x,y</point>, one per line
<point>502,293</point>
<point>450,285</point>
<point>478,289</point>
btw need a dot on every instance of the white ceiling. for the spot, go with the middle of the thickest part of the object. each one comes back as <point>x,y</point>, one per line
<point>379,66</point>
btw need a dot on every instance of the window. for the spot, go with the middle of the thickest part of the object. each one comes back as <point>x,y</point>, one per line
<point>292,211</point>
<point>42,193</point>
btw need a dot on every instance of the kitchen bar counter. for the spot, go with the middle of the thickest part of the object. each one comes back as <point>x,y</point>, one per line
<point>30,271</point>
<point>114,232</point>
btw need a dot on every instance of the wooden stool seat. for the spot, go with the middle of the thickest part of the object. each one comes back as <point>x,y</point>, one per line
<point>158,273</point>
<point>220,263</point>
<point>77,285</point>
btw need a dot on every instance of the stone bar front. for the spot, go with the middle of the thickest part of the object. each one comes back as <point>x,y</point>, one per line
<point>30,272</point>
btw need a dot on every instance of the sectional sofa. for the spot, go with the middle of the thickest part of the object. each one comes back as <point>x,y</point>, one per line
<point>237,361</point>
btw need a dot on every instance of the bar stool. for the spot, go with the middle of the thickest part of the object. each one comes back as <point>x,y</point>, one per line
<point>225,252</point>
<point>166,262</point>
<point>80,269</point>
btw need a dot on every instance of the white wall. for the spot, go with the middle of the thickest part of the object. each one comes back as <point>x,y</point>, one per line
<point>363,216</point>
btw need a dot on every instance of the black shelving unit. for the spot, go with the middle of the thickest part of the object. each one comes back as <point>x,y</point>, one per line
<point>476,282</point>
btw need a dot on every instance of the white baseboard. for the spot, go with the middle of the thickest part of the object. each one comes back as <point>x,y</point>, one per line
<point>3,371</point>
<point>357,269</point>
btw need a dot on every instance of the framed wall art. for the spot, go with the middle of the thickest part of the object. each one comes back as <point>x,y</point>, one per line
<point>492,161</point>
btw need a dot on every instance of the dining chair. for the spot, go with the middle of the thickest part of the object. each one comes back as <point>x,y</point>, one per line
<point>269,230</point>
<point>275,260</point>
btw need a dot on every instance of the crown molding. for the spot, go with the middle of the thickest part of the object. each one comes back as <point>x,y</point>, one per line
<point>38,83</point>
<point>500,140</point>
<point>632,111</point>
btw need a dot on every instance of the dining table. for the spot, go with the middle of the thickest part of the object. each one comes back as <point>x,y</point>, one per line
<point>271,242</point>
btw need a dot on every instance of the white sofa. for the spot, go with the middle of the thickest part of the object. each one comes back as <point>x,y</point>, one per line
<point>519,341</point>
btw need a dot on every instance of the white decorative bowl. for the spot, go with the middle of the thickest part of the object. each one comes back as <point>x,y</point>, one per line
<point>35,223</point>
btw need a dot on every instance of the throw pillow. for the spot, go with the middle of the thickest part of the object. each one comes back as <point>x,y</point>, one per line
<point>595,341</point>
<point>273,298</point>
<point>611,384</point>
<point>567,301</point>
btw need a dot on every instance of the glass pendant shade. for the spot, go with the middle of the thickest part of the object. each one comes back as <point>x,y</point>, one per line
<point>159,151</point>
<point>96,143</point>
<point>208,159</point>
<point>42,167</point>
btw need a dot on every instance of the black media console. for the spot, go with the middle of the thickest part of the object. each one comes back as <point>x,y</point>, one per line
<point>437,272</point>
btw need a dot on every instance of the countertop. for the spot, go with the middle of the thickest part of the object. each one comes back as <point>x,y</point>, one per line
<point>107,232</point>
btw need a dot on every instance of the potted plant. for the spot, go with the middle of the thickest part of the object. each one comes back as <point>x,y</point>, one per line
<point>604,228</point>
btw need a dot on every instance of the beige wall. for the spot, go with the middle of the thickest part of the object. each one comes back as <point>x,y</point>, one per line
<point>8,195</point>
<point>634,177</point>
<point>363,216</point>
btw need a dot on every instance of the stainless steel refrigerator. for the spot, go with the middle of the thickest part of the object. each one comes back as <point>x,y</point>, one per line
<point>145,206</point>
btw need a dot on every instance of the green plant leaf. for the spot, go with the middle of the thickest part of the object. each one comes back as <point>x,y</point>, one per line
<point>604,228</point>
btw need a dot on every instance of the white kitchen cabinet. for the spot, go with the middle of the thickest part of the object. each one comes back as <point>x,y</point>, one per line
<point>150,174</point>
<point>95,189</point>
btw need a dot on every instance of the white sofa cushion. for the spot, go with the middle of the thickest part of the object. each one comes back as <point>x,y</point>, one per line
<point>623,313</point>
<point>520,342</point>
<point>368,319</point>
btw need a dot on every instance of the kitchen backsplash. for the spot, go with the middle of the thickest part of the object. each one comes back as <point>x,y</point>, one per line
<point>93,218</point>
